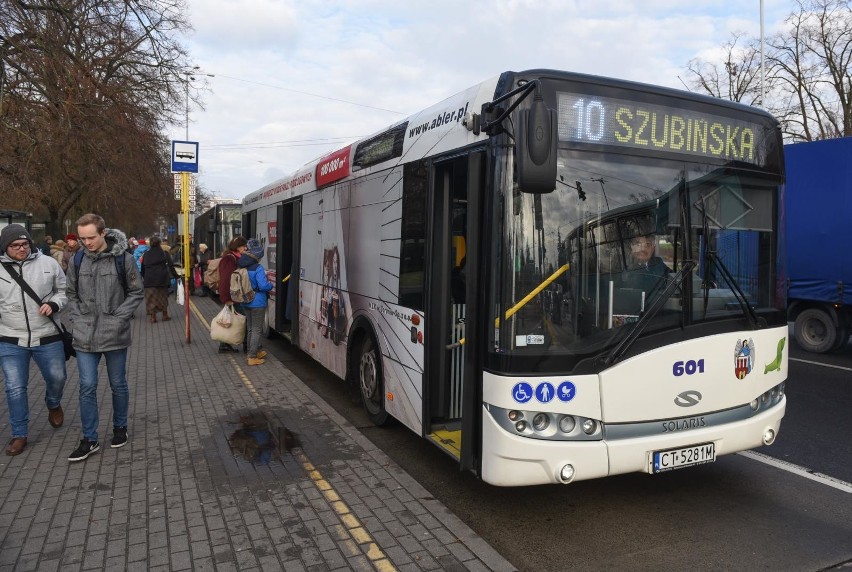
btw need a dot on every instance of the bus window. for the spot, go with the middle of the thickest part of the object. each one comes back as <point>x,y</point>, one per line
<point>412,256</point>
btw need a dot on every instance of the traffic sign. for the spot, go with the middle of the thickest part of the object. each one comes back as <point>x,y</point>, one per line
<point>184,156</point>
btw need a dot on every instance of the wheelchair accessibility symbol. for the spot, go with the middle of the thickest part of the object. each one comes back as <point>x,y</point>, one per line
<point>522,392</point>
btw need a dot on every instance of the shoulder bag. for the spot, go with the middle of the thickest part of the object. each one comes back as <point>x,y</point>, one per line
<point>67,338</point>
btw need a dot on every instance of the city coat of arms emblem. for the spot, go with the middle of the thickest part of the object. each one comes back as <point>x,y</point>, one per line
<point>744,356</point>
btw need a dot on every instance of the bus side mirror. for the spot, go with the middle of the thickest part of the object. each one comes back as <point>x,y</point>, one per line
<point>535,149</point>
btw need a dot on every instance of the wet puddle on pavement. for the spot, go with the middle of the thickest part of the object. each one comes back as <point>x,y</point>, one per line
<point>261,439</point>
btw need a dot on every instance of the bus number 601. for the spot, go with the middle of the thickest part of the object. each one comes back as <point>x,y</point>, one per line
<point>687,367</point>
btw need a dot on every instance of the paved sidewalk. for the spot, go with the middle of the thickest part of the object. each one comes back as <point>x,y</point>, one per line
<point>228,467</point>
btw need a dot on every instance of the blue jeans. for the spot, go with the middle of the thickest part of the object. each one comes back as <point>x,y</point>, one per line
<point>116,364</point>
<point>15,361</point>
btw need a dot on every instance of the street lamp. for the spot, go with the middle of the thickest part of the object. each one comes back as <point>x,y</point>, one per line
<point>190,77</point>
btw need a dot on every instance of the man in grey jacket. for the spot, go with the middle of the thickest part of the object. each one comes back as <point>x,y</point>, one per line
<point>26,330</point>
<point>101,304</point>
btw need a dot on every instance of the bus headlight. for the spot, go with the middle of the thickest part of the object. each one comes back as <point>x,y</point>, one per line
<point>514,415</point>
<point>541,421</point>
<point>521,426</point>
<point>754,404</point>
<point>567,424</point>
<point>567,473</point>
<point>589,426</point>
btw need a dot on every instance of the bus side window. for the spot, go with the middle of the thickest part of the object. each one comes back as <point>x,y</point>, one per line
<point>413,236</point>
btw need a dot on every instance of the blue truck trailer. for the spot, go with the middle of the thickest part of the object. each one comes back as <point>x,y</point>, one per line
<point>818,211</point>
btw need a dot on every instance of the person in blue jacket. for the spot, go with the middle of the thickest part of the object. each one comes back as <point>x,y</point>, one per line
<point>256,309</point>
<point>139,252</point>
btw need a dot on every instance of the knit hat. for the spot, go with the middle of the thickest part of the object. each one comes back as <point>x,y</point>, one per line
<point>59,243</point>
<point>71,236</point>
<point>10,234</point>
<point>254,248</point>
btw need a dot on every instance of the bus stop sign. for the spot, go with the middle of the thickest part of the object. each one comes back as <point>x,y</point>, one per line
<point>184,156</point>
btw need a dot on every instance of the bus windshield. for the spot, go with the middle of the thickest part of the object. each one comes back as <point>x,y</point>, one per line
<point>625,242</point>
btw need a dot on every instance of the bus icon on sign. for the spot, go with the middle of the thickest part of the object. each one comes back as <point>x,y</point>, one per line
<point>189,156</point>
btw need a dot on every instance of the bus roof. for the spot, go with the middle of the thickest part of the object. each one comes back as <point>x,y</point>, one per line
<point>432,131</point>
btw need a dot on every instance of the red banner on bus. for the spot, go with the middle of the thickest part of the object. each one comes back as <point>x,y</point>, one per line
<point>333,168</point>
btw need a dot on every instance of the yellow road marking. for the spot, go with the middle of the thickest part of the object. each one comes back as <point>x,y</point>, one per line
<point>351,523</point>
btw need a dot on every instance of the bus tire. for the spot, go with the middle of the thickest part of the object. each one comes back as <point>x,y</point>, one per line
<point>368,373</point>
<point>815,331</point>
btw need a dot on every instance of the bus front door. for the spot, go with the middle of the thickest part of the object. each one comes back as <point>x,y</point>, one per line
<point>447,301</point>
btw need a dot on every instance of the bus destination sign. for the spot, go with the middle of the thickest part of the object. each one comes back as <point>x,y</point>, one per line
<point>640,125</point>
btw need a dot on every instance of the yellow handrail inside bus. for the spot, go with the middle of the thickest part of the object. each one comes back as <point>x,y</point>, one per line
<point>525,300</point>
<point>285,279</point>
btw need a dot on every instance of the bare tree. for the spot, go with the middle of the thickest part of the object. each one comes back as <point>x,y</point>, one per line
<point>812,64</point>
<point>808,82</point>
<point>735,76</point>
<point>86,89</point>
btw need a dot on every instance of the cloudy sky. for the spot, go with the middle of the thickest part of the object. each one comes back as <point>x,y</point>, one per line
<point>296,79</point>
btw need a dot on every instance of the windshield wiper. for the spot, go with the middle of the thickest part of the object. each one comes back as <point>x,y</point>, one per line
<point>645,319</point>
<point>711,257</point>
<point>754,321</point>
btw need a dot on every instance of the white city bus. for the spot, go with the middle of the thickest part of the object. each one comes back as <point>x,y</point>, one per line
<point>550,276</point>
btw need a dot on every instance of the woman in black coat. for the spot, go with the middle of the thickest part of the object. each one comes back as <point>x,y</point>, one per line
<point>157,273</point>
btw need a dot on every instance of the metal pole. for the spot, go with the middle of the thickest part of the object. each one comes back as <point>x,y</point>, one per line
<point>762,71</point>
<point>188,77</point>
<point>187,271</point>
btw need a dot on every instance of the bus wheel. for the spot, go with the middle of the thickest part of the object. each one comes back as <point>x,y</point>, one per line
<point>370,381</point>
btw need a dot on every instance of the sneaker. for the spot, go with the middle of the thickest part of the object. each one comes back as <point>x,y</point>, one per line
<point>255,361</point>
<point>119,437</point>
<point>85,449</point>
<point>261,354</point>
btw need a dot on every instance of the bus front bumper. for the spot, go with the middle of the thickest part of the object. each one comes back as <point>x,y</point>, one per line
<point>510,460</point>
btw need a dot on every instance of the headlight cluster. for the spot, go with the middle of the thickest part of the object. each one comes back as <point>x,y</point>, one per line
<point>769,398</point>
<point>547,425</point>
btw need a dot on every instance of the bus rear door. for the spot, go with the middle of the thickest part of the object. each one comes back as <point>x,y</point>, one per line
<point>288,239</point>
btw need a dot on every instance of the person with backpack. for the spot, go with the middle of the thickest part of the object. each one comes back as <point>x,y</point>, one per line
<point>226,267</point>
<point>104,289</point>
<point>254,304</point>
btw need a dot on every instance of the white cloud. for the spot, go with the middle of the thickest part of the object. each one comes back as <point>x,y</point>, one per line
<point>268,55</point>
